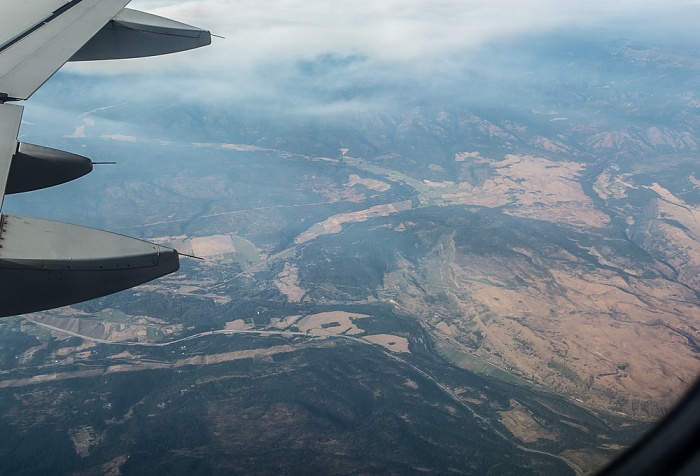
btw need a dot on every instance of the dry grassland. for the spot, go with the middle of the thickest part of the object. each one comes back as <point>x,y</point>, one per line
<point>335,223</point>
<point>288,283</point>
<point>212,245</point>
<point>523,425</point>
<point>532,187</point>
<point>371,184</point>
<point>389,342</point>
<point>324,323</point>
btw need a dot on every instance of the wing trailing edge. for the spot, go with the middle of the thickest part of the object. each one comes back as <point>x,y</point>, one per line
<point>46,264</point>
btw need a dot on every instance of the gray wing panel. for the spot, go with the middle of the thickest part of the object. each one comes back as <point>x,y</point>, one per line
<point>33,56</point>
<point>134,34</point>
<point>10,119</point>
<point>21,16</point>
<point>46,264</point>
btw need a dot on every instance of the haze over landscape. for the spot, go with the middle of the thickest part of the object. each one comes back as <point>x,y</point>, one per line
<point>453,237</point>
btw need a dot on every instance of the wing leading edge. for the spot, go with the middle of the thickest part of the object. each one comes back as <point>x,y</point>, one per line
<point>46,264</point>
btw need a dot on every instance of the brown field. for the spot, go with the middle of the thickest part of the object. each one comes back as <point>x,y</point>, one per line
<point>335,223</point>
<point>522,424</point>
<point>314,323</point>
<point>212,245</point>
<point>288,283</point>
<point>389,342</point>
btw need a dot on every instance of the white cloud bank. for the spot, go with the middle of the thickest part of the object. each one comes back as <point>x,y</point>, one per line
<point>404,29</point>
<point>404,39</point>
<point>398,31</point>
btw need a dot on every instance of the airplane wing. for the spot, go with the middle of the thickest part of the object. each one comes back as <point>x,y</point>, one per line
<point>46,264</point>
<point>44,35</point>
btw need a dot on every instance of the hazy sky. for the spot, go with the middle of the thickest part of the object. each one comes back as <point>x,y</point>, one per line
<point>395,31</point>
<point>390,42</point>
<point>399,30</point>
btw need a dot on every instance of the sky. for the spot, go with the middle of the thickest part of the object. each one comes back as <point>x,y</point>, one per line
<point>416,36</point>
<point>297,57</point>
<point>404,30</point>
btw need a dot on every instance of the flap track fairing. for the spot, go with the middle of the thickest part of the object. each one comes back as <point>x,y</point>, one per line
<point>135,34</point>
<point>35,167</point>
<point>46,264</point>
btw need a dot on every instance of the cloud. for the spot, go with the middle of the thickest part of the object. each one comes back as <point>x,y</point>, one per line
<point>391,31</point>
<point>325,57</point>
<point>398,30</point>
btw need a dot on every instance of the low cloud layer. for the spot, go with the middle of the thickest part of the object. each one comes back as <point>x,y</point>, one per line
<point>406,29</point>
<point>307,56</point>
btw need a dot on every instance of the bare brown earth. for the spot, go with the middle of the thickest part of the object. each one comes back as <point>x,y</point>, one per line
<point>609,344</point>
<point>333,322</point>
<point>371,184</point>
<point>242,147</point>
<point>288,283</point>
<point>335,223</point>
<point>237,325</point>
<point>522,424</point>
<point>84,438</point>
<point>390,342</point>
<point>532,187</point>
<point>349,192</point>
<point>212,245</point>
<point>612,338</point>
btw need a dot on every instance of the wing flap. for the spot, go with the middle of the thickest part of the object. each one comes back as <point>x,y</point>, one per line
<point>46,264</point>
<point>135,34</point>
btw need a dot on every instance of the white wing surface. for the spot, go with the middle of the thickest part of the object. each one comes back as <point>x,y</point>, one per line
<point>49,37</point>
